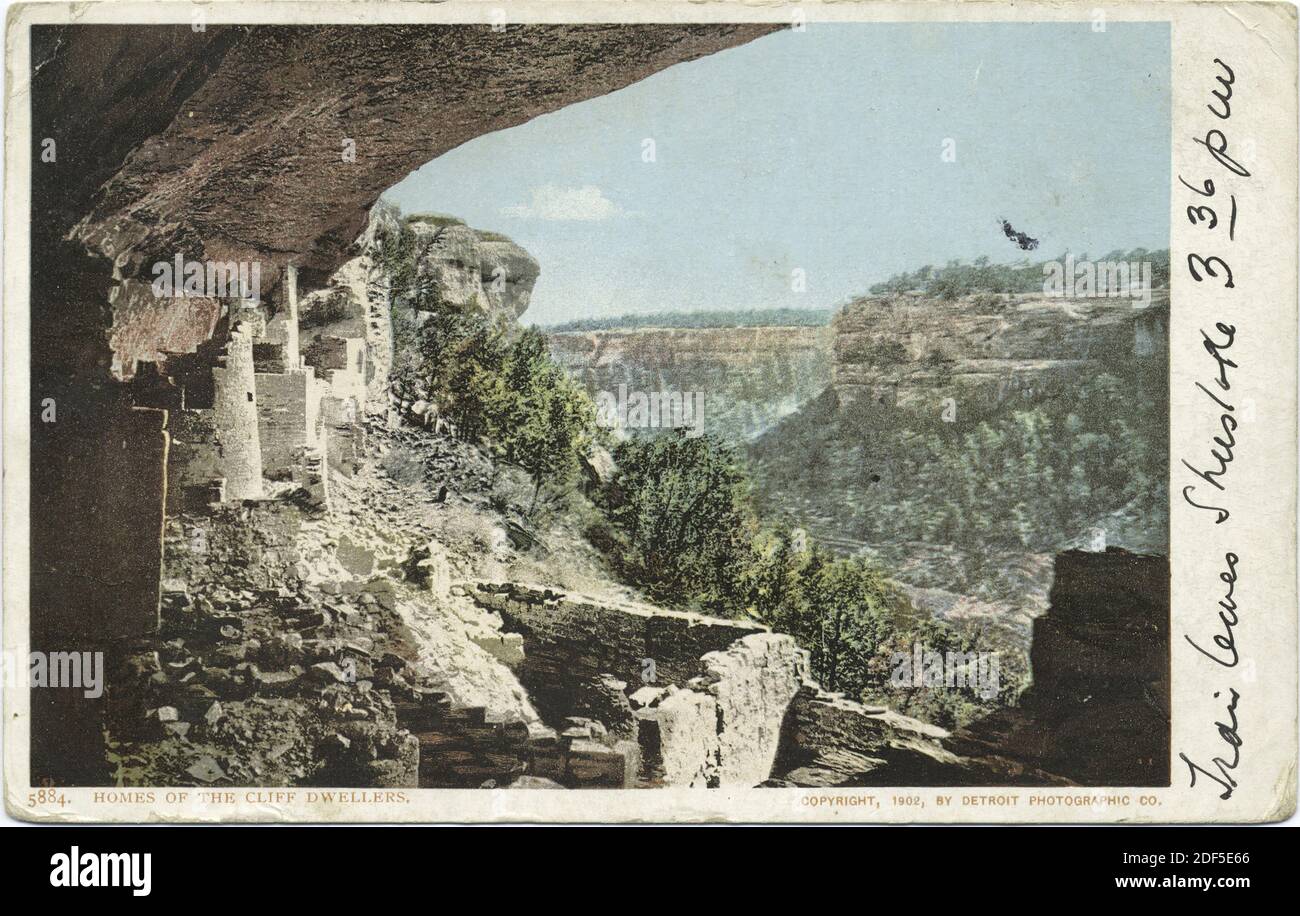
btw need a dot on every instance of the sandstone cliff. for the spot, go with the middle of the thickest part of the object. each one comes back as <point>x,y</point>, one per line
<point>965,442</point>
<point>471,266</point>
<point>911,351</point>
<point>354,303</point>
<point>467,267</point>
<point>750,377</point>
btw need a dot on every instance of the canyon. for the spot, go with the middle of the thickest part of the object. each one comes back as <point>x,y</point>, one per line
<point>898,361</point>
<point>905,351</point>
<point>298,578</point>
<point>750,377</point>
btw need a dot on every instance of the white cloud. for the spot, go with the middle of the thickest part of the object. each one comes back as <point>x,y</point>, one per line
<point>550,202</point>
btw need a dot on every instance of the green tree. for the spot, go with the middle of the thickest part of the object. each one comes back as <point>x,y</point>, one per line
<point>686,518</point>
<point>774,576</point>
<point>849,610</point>
<point>547,424</point>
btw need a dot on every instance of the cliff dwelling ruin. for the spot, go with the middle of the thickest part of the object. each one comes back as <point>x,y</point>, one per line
<point>273,548</point>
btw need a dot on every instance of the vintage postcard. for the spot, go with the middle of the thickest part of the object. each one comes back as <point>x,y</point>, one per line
<point>653,411</point>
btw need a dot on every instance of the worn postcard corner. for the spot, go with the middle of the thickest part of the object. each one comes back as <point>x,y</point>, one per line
<point>583,412</point>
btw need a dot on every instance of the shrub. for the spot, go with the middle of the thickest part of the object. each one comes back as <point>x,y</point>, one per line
<point>685,516</point>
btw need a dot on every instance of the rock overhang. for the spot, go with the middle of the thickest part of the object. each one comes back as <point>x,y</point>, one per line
<point>271,143</point>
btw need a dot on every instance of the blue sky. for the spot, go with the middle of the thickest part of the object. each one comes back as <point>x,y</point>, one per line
<point>822,151</point>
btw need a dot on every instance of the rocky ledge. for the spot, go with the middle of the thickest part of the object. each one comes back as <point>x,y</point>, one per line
<point>909,350</point>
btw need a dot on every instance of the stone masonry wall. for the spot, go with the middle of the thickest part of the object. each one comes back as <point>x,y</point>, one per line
<point>282,328</point>
<point>571,639</point>
<point>220,443</point>
<point>723,728</point>
<point>234,409</point>
<point>288,409</point>
<point>196,471</point>
<point>707,697</point>
<point>752,682</point>
<point>341,363</point>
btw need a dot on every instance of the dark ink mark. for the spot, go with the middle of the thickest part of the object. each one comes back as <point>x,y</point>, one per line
<point>1227,421</point>
<point>1228,732</point>
<point>1227,616</point>
<point>1024,242</point>
<point>1225,94</point>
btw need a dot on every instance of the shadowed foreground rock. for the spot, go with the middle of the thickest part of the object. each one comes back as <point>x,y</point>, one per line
<point>830,741</point>
<point>1097,713</point>
<point>1098,709</point>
